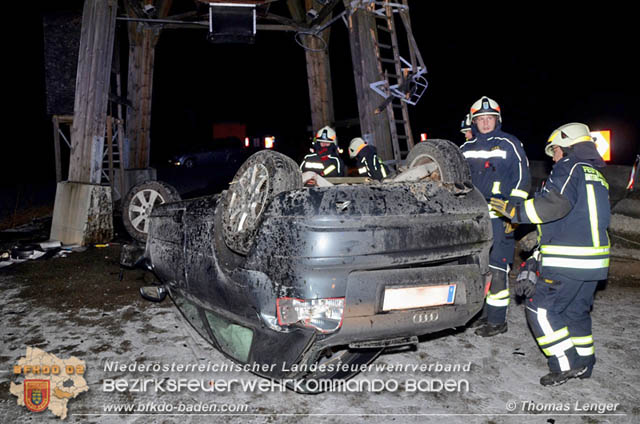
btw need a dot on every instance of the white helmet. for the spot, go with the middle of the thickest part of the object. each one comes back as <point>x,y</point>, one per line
<point>355,146</point>
<point>485,106</point>
<point>466,124</point>
<point>326,134</point>
<point>568,135</point>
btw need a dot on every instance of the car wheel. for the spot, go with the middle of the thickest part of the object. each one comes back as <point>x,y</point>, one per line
<point>260,178</point>
<point>140,201</point>
<point>227,258</point>
<point>452,166</point>
<point>189,163</point>
<point>337,365</point>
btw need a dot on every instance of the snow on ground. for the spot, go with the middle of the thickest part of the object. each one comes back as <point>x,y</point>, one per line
<point>500,384</point>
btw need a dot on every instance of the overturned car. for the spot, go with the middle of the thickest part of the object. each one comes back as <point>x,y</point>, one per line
<point>315,281</point>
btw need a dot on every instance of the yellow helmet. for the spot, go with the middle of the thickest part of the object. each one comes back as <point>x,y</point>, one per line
<point>568,135</point>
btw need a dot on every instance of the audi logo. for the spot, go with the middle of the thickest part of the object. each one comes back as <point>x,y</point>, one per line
<point>425,317</point>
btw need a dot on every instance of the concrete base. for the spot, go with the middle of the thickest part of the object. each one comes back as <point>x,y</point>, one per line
<point>82,214</point>
<point>131,178</point>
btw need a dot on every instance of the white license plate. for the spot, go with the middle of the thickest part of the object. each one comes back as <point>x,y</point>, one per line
<point>418,297</point>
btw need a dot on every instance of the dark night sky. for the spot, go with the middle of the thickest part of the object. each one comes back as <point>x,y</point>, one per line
<point>545,68</point>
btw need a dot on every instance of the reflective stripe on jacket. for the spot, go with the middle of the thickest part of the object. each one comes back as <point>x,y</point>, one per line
<point>327,166</point>
<point>576,245</point>
<point>370,164</point>
<point>499,167</point>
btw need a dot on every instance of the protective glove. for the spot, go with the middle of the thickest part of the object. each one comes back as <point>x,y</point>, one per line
<point>503,207</point>
<point>527,277</point>
<point>529,241</point>
<point>509,227</point>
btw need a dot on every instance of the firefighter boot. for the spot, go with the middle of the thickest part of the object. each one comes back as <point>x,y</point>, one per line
<point>558,378</point>
<point>496,305</point>
<point>490,330</point>
<point>587,373</point>
<point>481,319</point>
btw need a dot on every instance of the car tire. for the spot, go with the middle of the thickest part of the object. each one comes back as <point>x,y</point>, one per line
<point>227,258</point>
<point>140,201</point>
<point>452,166</point>
<point>189,163</point>
<point>260,178</point>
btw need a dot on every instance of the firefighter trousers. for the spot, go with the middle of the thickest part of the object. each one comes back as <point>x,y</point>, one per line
<point>559,314</point>
<point>500,260</point>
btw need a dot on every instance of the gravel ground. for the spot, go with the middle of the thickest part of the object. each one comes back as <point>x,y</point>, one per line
<point>76,306</point>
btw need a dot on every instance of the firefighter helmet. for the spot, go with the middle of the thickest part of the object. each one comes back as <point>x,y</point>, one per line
<point>568,135</point>
<point>326,134</point>
<point>355,146</point>
<point>485,106</point>
<point>466,124</point>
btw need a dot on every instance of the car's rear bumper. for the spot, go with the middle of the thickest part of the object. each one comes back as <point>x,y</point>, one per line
<point>365,323</point>
<point>365,319</point>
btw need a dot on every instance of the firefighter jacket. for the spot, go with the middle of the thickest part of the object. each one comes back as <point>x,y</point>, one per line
<point>499,167</point>
<point>324,161</point>
<point>370,164</point>
<point>572,212</point>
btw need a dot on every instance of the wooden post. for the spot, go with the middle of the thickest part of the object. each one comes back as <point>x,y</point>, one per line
<point>120,138</point>
<point>318,69</point>
<point>374,127</point>
<point>83,212</point>
<point>142,43</point>
<point>110,149</point>
<point>92,90</point>
<point>319,81</point>
<point>56,147</point>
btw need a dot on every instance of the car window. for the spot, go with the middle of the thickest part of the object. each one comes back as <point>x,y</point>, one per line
<point>235,340</point>
<point>192,314</point>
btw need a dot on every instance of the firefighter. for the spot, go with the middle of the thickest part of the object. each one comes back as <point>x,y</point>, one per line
<point>369,163</point>
<point>499,168</point>
<point>465,128</point>
<point>325,159</point>
<point>572,212</point>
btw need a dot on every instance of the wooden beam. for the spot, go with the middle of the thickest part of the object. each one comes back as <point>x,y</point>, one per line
<point>374,127</point>
<point>318,69</point>
<point>56,147</point>
<point>142,42</point>
<point>92,90</point>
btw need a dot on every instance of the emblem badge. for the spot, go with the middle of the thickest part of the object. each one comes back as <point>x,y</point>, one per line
<point>425,317</point>
<point>36,395</point>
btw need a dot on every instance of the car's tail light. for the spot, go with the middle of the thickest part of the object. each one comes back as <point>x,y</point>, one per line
<point>324,315</point>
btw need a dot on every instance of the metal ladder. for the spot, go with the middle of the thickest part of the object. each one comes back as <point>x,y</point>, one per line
<point>403,83</point>
<point>112,155</point>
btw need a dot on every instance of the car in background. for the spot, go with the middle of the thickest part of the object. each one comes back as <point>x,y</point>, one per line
<point>229,152</point>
